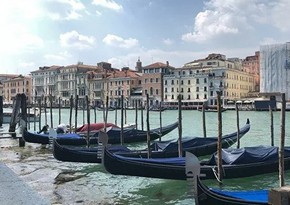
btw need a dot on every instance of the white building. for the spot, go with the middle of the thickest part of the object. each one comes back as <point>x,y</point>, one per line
<point>61,82</point>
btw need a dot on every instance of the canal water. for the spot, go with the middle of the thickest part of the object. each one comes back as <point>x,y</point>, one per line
<point>80,183</point>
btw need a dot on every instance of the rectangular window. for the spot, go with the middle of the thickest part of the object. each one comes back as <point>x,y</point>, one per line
<point>197,81</point>
<point>205,89</point>
<point>197,89</point>
<point>197,96</point>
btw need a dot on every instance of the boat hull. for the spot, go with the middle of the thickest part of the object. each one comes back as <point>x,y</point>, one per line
<point>206,196</point>
<point>130,136</point>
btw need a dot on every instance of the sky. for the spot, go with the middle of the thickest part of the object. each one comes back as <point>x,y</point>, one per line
<point>38,33</point>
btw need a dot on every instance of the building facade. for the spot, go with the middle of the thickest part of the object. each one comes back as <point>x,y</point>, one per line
<point>123,82</point>
<point>199,81</point>
<point>15,85</point>
<point>152,81</point>
<point>61,82</point>
<point>251,64</point>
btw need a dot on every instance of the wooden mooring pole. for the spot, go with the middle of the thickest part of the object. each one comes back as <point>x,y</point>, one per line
<point>142,117</point>
<point>122,120</point>
<point>83,100</point>
<point>95,113</point>
<point>50,110</point>
<point>179,127</point>
<point>23,118</point>
<point>271,126</point>
<point>34,116</point>
<point>203,120</point>
<point>148,126</point>
<point>116,116</point>
<point>136,115</point>
<point>160,120</point>
<point>88,120</point>
<point>70,112</point>
<point>238,126</point>
<point>219,144</point>
<point>59,111</point>
<point>282,142</point>
<point>45,111</point>
<point>28,117</point>
<point>76,112</point>
<point>125,113</point>
<point>39,107</point>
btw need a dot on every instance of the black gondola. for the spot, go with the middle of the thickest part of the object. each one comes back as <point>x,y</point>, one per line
<point>247,162</point>
<point>208,196</point>
<point>199,146</point>
<point>131,135</point>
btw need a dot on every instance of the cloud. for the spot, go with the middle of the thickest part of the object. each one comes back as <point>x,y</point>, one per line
<point>74,39</point>
<point>221,17</point>
<point>98,13</point>
<point>64,9</point>
<point>116,41</point>
<point>109,4</point>
<point>59,57</point>
<point>167,41</point>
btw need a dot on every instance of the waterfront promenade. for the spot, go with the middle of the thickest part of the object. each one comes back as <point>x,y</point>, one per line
<point>14,190</point>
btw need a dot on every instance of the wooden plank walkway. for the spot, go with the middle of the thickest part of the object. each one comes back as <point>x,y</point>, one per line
<point>14,190</point>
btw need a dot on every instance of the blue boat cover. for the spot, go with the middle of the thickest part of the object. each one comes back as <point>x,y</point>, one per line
<point>187,142</point>
<point>253,196</point>
<point>249,155</point>
<point>60,135</point>
<point>178,161</point>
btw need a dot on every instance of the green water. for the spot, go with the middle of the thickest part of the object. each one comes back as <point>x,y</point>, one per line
<point>77,183</point>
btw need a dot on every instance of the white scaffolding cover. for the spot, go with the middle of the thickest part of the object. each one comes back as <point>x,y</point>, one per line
<point>275,68</point>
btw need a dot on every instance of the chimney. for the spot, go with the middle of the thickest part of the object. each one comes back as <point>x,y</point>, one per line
<point>167,63</point>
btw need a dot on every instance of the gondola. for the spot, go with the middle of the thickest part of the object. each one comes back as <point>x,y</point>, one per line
<point>157,109</point>
<point>199,146</point>
<point>248,162</point>
<point>131,135</point>
<point>82,154</point>
<point>104,109</point>
<point>207,196</point>
<point>212,110</point>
